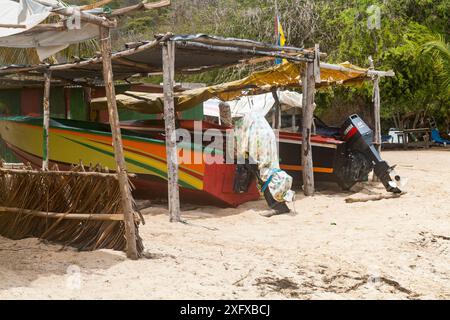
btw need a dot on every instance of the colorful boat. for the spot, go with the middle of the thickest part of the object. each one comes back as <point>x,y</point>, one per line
<point>74,141</point>
<point>333,159</point>
<point>200,182</point>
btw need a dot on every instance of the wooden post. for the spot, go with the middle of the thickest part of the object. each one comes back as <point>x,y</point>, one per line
<point>377,116</point>
<point>376,107</point>
<point>125,189</point>
<point>225,114</point>
<point>294,116</point>
<point>308,83</point>
<point>377,119</point>
<point>168,55</point>
<point>46,121</point>
<point>376,112</point>
<point>277,110</point>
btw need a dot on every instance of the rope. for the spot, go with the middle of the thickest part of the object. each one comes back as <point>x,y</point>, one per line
<point>266,184</point>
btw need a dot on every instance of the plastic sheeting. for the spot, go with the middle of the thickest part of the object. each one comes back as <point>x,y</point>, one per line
<point>50,42</point>
<point>286,75</point>
<point>26,12</point>
<point>30,13</point>
<point>261,103</point>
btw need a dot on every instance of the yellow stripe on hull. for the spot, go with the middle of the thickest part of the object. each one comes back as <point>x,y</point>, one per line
<point>69,146</point>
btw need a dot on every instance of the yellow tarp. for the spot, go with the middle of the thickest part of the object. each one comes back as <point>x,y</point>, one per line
<point>284,75</point>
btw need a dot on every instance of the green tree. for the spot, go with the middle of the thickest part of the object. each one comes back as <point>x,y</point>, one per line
<point>439,49</point>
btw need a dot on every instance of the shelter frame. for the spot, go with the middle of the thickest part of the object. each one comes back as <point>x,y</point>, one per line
<point>168,57</point>
<point>309,58</point>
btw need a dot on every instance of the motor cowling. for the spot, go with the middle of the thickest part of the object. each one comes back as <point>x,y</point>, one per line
<point>359,137</point>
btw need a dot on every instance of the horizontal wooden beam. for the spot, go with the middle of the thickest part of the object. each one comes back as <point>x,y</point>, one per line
<point>237,43</point>
<point>250,52</point>
<point>329,66</point>
<point>62,173</point>
<point>139,7</point>
<point>95,5</point>
<point>18,26</point>
<point>87,17</point>
<point>65,216</point>
<point>14,70</point>
<point>125,62</point>
<point>114,56</point>
<point>43,27</point>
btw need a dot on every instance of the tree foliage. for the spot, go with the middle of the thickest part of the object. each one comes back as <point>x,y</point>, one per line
<point>412,39</point>
<point>341,27</point>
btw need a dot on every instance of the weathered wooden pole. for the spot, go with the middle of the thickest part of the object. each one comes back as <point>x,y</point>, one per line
<point>376,107</point>
<point>308,83</point>
<point>168,55</point>
<point>377,111</point>
<point>46,121</point>
<point>377,119</point>
<point>125,189</point>
<point>293,119</point>
<point>277,110</point>
<point>225,114</point>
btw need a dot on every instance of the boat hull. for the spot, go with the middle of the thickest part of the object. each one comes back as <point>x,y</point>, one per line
<point>144,148</point>
<point>325,151</point>
<point>74,141</point>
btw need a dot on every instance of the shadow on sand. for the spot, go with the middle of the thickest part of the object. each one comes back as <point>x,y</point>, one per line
<point>25,261</point>
<point>196,212</point>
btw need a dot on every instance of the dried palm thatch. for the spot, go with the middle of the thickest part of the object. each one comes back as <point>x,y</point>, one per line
<point>76,208</point>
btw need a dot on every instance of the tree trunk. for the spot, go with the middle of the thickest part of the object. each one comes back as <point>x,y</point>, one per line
<point>308,114</point>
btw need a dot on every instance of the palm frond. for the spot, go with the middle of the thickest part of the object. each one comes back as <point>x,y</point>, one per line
<point>439,50</point>
<point>18,56</point>
<point>440,46</point>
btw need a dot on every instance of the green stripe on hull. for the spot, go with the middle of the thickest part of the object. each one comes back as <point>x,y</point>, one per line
<point>157,172</point>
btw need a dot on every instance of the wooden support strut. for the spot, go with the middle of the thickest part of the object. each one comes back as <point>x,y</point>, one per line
<point>65,216</point>
<point>168,55</point>
<point>243,51</point>
<point>90,18</point>
<point>140,6</point>
<point>63,173</point>
<point>308,83</point>
<point>377,119</point>
<point>125,189</point>
<point>377,116</point>
<point>86,63</point>
<point>9,25</point>
<point>376,112</point>
<point>46,121</point>
<point>276,110</point>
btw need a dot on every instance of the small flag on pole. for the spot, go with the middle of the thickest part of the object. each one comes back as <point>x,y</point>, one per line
<point>281,39</point>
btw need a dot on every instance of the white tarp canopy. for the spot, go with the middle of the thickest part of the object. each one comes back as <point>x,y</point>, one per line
<point>261,103</point>
<point>25,12</point>
<point>30,13</point>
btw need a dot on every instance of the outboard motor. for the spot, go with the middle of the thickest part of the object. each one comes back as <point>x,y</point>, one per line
<point>359,137</point>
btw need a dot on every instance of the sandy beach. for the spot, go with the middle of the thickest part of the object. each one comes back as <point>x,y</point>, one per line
<point>329,249</point>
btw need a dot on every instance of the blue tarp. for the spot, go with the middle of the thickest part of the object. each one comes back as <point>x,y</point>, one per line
<point>436,137</point>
